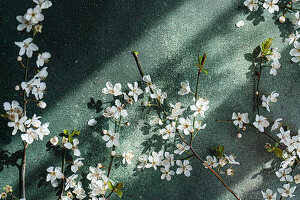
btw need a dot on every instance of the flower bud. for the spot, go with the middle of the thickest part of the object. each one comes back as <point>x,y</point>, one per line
<point>239,135</point>
<point>127,123</point>
<point>113,153</point>
<point>268,146</point>
<point>17,87</point>
<point>92,122</point>
<point>99,165</point>
<point>244,128</point>
<point>105,132</point>
<point>54,141</point>
<point>282,19</point>
<point>256,93</point>
<point>42,104</point>
<point>19,58</point>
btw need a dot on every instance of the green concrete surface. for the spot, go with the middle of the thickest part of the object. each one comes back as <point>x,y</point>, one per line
<point>91,42</point>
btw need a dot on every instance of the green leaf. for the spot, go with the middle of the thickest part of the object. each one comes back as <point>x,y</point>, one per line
<point>266,45</point>
<point>110,185</point>
<point>119,186</point>
<point>4,115</point>
<point>276,144</point>
<point>75,133</point>
<point>220,151</point>
<point>119,193</point>
<point>135,52</point>
<point>270,150</point>
<point>278,152</point>
<point>200,60</point>
<point>205,71</point>
<point>70,139</point>
<point>66,132</point>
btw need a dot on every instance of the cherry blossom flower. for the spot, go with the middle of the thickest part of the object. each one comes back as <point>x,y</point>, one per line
<point>135,91</point>
<point>43,130</point>
<point>199,126</point>
<point>251,4</point>
<point>176,110</point>
<point>127,157</point>
<point>108,112</point>
<point>70,181</point>
<point>276,124</point>
<point>231,159</point>
<point>79,191</point>
<point>95,174</point>
<point>297,178</point>
<point>27,46</point>
<point>73,147</point>
<point>181,148</point>
<point>229,172</point>
<point>167,173</point>
<point>275,55</point>
<point>287,191</point>
<point>34,15</point>
<point>3,195</point>
<point>169,160</point>
<point>98,188</point>
<point>185,88</point>
<point>155,120</point>
<point>53,175</point>
<point>44,4</point>
<point>119,110</point>
<point>14,109</point>
<point>185,125</point>
<point>261,123</point>
<point>150,86</point>
<point>292,37</point>
<point>69,196</point>
<point>110,89</point>
<point>155,160</point>
<point>268,195</point>
<point>183,167</point>
<point>296,19</point>
<point>284,135</point>
<point>77,164</point>
<point>200,107</point>
<point>42,74</point>
<point>34,121</point>
<point>111,138</point>
<point>168,131</point>
<point>240,119</point>
<point>42,59</point>
<point>142,162</point>
<point>211,161</point>
<point>274,67</point>
<point>18,124</point>
<point>283,174</point>
<point>24,24</point>
<point>38,89</point>
<point>295,52</point>
<point>29,136</point>
<point>159,95</point>
<point>271,5</point>
<point>54,141</point>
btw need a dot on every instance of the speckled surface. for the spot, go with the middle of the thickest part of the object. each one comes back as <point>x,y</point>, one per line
<point>91,43</point>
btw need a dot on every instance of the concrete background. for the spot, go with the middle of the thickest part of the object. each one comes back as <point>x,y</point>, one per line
<point>91,43</point>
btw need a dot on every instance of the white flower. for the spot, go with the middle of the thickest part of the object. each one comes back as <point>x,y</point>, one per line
<point>13,110</point>
<point>110,89</point>
<point>119,110</point>
<point>54,141</point>
<point>44,4</point>
<point>24,24</point>
<point>296,19</point>
<point>29,136</point>
<point>155,160</point>
<point>168,131</point>
<point>34,121</point>
<point>270,5</point>
<point>159,96</point>
<point>34,15</point>
<point>268,195</point>
<point>155,120</point>
<point>292,37</point>
<point>169,160</point>
<point>127,98</point>
<point>284,135</point>
<point>240,23</point>
<point>222,161</point>
<point>98,188</point>
<point>200,107</point>
<point>71,182</point>
<point>283,174</point>
<point>135,91</point>
<point>53,175</point>
<point>261,123</point>
<point>77,164</point>
<point>79,191</point>
<point>265,102</point>
<point>199,126</point>
<point>251,4</point>
<point>27,46</point>
<point>273,97</point>
<point>185,125</point>
<point>176,110</point>
<point>42,74</point>
<point>127,157</point>
<point>183,167</point>
<point>18,124</point>
<point>287,191</point>
<point>275,55</point>
<point>295,52</point>
<point>95,174</point>
<point>231,160</point>
<point>43,130</point>
<point>142,162</point>
<point>211,161</point>
<point>108,112</point>
<point>69,196</point>
<point>276,124</point>
<point>167,173</point>
<point>43,58</point>
<point>181,148</point>
<point>274,67</point>
<point>185,88</point>
<point>240,119</point>
<point>147,79</point>
<point>297,178</point>
<point>111,138</point>
<point>229,172</point>
<point>92,122</point>
<point>38,89</point>
<point>73,146</point>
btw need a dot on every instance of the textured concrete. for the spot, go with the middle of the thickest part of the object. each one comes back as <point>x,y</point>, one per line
<point>91,43</point>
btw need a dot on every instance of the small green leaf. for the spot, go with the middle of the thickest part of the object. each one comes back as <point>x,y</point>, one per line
<point>4,115</point>
<point>66,132</point>
<point>110,185</point>
<point>278,152</point>
<point>266,46</point>
<point>270,150</point>
<point>200,60</point>
<point>205,71</point>
<point>75,133</point>
<point>119,186</point>
<point>276,144</point>
<point>135,52</point>
<point>220,151</point>
<point>119,193</point>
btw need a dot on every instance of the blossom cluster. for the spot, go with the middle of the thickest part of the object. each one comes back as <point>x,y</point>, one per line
<point>220,162</point>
